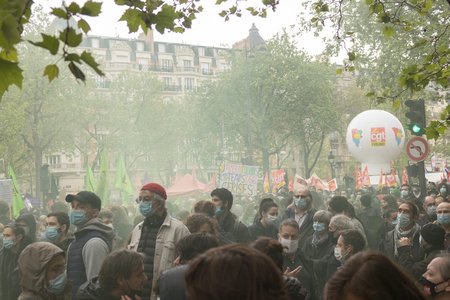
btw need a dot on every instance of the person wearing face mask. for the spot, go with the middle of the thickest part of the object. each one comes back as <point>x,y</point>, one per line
<point>121,277</point>
<point>429,211</point>
<point>350,242</point>
<point>405,192</point>
<point>435,281</point>
<point>231,229</point>
<point>301,210</point>
<point>432,242</point>
<point>92,241</point>
<point>416,197</point>
<point>443,219</point>
<point>13,244</point>
<point>156,236</point>
<point>28,223</point>
<point>294,261</point>
<point>317,249</point>
<point>57,230</point>
<point>266,225</point>
<point>443,189</point>
<point>406,228</point>
<point>42,268</point>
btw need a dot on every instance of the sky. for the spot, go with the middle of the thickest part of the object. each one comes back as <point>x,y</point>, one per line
<point>209,29</point>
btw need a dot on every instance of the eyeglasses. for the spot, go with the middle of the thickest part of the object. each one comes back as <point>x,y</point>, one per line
<point>143,199</point>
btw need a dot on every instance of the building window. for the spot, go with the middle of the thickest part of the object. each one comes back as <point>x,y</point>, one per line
<point>166,65</point>
<point>54,160</point>
<point>189,84</point>
<point>161,48</point>
<point>167,81</point>
<point>201,51</point>
<point>205,69</point>
<point>187,63</point>
<point>140,47</point>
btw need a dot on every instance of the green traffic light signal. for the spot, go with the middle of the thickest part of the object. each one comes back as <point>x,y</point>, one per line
<point>416,128</point>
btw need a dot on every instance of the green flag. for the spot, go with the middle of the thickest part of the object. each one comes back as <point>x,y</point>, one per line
<point>89,180</point>
<point>17,204</point>
<point>122,181</point>
<point>102,187</point>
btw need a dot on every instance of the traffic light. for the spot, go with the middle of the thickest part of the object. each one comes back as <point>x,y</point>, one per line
<point>416,116</point>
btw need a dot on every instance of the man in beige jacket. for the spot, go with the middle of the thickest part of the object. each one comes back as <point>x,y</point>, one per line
<point>157,236</point>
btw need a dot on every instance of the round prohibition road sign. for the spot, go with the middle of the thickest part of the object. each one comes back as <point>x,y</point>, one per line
<point>417,148</point>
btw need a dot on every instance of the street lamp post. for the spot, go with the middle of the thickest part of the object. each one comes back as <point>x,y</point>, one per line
<point>331,160</point>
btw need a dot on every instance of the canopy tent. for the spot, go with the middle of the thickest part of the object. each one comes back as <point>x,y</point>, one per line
<point>186,184</point>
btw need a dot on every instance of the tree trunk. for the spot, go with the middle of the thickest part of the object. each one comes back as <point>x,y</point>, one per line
<point>266,163</point>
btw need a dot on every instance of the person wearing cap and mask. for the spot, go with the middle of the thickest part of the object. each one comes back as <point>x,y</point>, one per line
<point>231,229</point>
<point>156,236</point>
<point>294,261</point>
<point>432,242</point>
<point>92,239</point>
<point>42,268</point>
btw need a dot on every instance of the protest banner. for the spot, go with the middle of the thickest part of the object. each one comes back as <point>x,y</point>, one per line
<point>239,179</point>
<point>278,180</point>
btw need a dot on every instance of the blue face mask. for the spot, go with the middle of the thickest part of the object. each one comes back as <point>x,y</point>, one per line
<point>403,220</point>
<point>443,219</point>
<point>443,191</point>
<point>145,208</point>
<point>318,227</point>
<point>52,234</point>
<point>8,244</point>
<point>300,202</point>
<point>218,211</point>
<point>78,217</point>
<point>431,210</point>
<point>57,285</point>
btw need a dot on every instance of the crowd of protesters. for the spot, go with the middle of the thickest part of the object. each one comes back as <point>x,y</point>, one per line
<point>304,244</point>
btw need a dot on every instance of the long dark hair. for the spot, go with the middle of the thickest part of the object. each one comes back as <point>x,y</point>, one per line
<point>371,276</point>
<point>234,272</point>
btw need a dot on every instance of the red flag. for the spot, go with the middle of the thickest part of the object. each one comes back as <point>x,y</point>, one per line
<point>404,177</point>
<point>358,177</point>
<point>366,178</point>
<point>291,184</point>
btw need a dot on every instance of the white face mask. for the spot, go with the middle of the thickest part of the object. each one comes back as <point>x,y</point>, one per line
<point>271,219</point>
<point>290,246</point>
<point>338,253</point>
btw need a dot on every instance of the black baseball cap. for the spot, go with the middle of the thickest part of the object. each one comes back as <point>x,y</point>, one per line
<point>86,197</point>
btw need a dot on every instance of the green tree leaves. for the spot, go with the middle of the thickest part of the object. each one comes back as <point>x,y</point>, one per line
<point>10,74</point>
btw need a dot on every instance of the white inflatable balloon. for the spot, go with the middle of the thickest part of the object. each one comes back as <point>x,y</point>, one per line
<point>375,137</point>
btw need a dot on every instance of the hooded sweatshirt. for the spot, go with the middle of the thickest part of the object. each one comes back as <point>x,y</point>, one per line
<point>94,250</point>
<point>32,268</point>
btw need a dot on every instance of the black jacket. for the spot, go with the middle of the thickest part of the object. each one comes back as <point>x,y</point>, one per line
<point>233,230</point>
<point>417,268</point>
<point>9,275</point>
<point>171,284</point>
<point>92,291</point>
<point>258,230</point>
